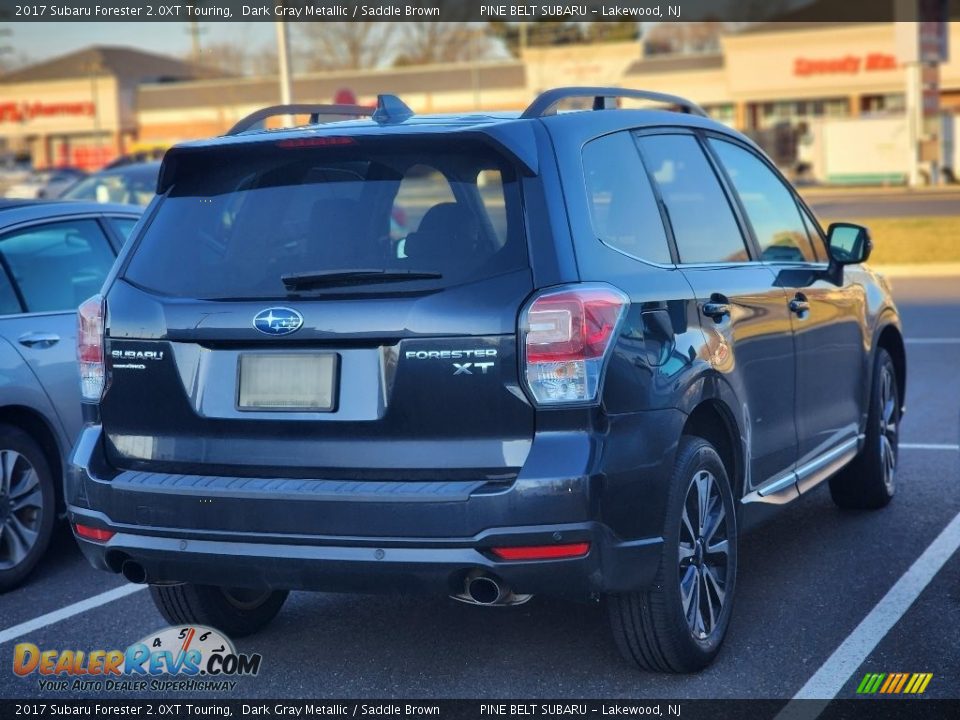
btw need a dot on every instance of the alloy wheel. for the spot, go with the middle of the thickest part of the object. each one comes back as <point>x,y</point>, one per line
<point>888,429</point>
<point>21,508</point>
<point>704,554</point>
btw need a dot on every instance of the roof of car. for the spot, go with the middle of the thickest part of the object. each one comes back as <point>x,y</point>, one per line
<point>510,130</point>
<point>128,167</point>
<point>14,211</point>
<point>444,123</point>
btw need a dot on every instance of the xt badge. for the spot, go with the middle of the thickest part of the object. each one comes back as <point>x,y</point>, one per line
<point>464,368</point>
<point>459,368</point>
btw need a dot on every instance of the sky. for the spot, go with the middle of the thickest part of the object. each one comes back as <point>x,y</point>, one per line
<point>39,41</point>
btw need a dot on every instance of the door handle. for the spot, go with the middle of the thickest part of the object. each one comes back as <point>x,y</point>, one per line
<point>717,308</point>
<point>38,339</point>
<point>799,305</point>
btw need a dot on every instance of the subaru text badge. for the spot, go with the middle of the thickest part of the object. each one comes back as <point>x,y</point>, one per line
<point>278,321</point>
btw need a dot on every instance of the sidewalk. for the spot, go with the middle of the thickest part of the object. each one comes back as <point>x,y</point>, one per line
<point>841,190</point>
<point>951,269</point>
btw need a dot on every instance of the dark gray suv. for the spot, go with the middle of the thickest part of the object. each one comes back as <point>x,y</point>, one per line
<point>569,353</point>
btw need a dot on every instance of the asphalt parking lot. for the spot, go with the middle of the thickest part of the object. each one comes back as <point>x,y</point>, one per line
<point>806,582</point>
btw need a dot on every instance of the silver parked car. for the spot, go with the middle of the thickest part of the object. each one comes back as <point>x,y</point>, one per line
<point>133,183</point>
<point>45,184</point>
<point>53,256</point>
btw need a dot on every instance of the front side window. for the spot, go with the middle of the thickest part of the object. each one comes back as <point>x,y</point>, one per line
<point>57,266</point>
<point>770,206</point>
<point>703,223</point>
<point>815,234</point>
<point>623,208</point>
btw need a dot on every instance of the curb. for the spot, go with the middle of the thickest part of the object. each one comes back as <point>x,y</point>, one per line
<point>841,191</point>
<point>951,269</point>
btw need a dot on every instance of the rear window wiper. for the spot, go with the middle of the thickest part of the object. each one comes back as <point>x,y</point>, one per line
<point>363,276</point>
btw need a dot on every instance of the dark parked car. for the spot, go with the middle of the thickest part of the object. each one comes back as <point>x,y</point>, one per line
<point>610,340</point>
<point>53,255</point>
<point>133,184</point>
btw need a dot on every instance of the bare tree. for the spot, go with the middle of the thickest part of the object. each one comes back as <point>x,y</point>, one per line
<point>264,62</point>
<point>439,42</point>
<point>685,37</point>
<point>345,45</point>
<point>228,56</point>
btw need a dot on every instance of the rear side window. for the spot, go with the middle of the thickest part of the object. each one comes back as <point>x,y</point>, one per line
<point>57,266</point>
<point>703,222</point>
<point>623,208</point>
<point>234,224</point>
<point>123,226</point>
<point>770,206</point>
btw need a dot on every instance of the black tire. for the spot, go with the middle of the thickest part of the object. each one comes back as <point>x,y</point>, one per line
<point>234,611</point>
<point>651,628</point>
<point>27,505</point>
<point>869,481</point>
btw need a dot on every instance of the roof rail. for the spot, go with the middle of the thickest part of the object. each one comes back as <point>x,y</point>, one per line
<point>546,102</point>
<point>314,111</point>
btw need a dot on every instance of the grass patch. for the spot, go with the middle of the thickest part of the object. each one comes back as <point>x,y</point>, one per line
<point>907,240</point>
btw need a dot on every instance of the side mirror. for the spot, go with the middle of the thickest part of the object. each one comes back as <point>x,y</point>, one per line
<point>849,244</point>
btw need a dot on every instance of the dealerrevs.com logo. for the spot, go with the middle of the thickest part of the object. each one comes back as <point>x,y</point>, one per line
<point>186,658</point>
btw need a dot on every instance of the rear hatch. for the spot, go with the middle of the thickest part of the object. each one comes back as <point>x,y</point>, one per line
<point>327,308</point>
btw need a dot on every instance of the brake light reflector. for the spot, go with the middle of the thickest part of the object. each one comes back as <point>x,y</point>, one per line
<point>322,141</point>
<point>92,533</point>
<point>542,552</point>
<point>567,335</point>
<point>90,348</point>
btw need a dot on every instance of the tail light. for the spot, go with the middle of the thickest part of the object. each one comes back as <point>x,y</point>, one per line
<point>567,335</point>
<point>90,348</point>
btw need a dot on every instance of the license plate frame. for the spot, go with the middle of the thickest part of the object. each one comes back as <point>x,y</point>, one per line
<point>328,366</point>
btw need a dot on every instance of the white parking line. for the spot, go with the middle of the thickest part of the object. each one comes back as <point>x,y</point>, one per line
<point>834,673</point>
<point>69,611</point>
<point>928,446</point>
<point>932,341</point>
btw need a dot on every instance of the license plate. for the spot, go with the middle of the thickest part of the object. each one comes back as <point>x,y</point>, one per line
<point>301,381</point>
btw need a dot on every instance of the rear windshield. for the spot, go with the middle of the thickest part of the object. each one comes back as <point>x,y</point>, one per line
<point>232,226</point>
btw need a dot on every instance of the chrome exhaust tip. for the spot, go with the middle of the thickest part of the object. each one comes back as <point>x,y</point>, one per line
<point>483,588</point>
<point>134,572</point>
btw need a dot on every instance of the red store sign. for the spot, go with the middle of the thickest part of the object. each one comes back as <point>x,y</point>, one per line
<point>22,112</point>
<point>847,65</point>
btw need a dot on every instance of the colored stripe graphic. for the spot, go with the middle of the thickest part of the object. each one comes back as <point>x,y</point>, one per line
<point>903,680</point>
<point>894,683</point>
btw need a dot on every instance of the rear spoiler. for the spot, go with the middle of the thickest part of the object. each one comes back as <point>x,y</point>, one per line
<point>515,141</point>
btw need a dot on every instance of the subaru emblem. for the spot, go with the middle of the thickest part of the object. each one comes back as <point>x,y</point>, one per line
<point>278,321</point>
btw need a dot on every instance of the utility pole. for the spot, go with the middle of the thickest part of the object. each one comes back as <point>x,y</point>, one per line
<point>195,31</point>
<point>283,56</point>
<point>4,49</point>
<point>922,45</point>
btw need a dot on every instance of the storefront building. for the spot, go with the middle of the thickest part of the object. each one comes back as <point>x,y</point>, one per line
<point>766,78</point>
<point>80,109</point>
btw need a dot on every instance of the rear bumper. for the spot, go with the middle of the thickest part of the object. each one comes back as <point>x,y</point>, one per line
<point>385,537</point>
<point>610,565</point>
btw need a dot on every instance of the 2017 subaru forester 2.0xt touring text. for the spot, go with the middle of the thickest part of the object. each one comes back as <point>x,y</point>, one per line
<point>489,356</point>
